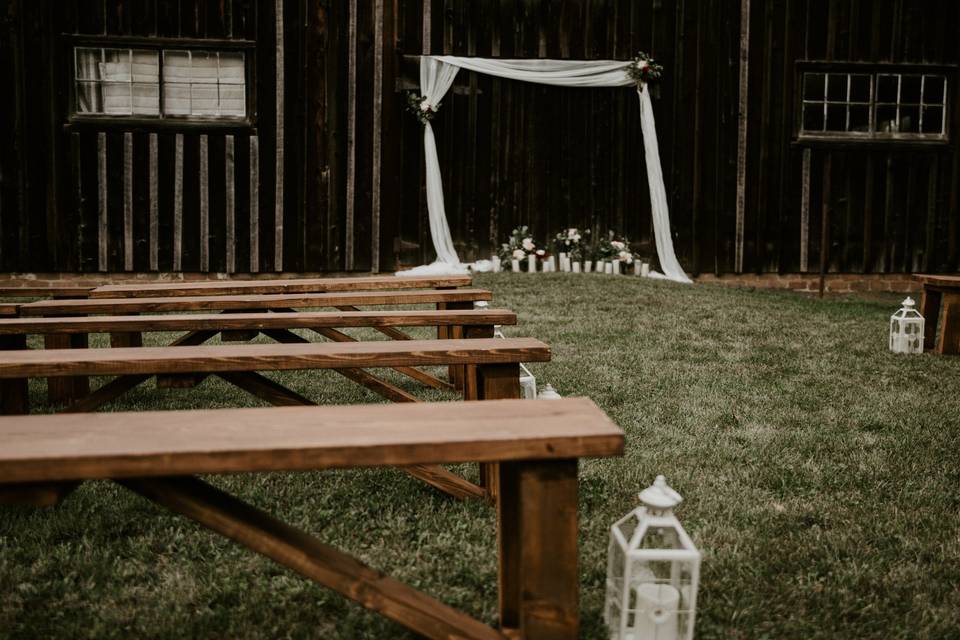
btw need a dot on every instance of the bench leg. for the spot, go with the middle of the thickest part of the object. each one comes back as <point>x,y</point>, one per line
<point>455,372</point>
<point>930,310</point>
<point>64,390</point>
<point>491,382</point>
<point>537,539</point>
<point>14,392</point>
<point>950,331</point>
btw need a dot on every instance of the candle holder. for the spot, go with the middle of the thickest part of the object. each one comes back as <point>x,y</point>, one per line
<point>906,329</point>
<point>653,571</point>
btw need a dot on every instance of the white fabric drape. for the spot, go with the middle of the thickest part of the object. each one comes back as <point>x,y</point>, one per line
<point>436,77</point>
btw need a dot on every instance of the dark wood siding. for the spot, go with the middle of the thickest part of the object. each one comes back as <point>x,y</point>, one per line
<point>511,153</point>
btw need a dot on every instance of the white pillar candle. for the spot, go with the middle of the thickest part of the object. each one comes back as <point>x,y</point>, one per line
<point>532,263</point>
<point>515,265</point>
<point>576,267</point>
<point>563,261</point>
<point>608,268</point>
<point>495,259</point>
<point>588,266</point>
<point>553,264</point>
<point>599,266</point>
<point>656,616</point>
<point>636,267</point>
<point>615,267</point>
<point>645,269</point>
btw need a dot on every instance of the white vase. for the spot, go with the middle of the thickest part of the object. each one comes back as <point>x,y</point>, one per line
<point>515,265</point>
<point>576,267</point>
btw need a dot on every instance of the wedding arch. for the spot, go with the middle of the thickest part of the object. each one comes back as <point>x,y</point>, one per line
<point>436,77</point>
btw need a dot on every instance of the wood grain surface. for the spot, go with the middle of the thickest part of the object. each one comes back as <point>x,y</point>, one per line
<point>277,286</point>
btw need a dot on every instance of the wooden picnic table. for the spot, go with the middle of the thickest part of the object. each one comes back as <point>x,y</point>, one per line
<point>940,307</point>
<point>277,286</point>
<point>158,454</point>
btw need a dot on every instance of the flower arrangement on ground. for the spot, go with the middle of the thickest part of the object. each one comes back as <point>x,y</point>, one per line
<point>571,241</point>
<point>421,107</point>
<point>614,248</point>
<point>519,247</point>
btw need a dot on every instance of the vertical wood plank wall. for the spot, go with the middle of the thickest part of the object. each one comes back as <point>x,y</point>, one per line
<point>339,186</point>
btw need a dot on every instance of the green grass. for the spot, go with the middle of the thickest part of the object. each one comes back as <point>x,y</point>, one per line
<point>819,472</point>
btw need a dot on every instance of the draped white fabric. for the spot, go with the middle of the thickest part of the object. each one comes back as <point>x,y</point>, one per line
<point>436,77</point>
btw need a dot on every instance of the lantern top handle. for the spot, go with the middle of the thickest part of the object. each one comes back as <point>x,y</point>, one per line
<point>908,303</point>
<point>660,496</point>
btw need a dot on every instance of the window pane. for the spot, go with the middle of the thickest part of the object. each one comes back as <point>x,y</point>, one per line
<point>909,119</point>
<point>232,100</point>
<point>89,97</point>
<point>837,87</point>
<point>176,98</point>
<point>886,121</point>
<point>116,98</point>
<point>933,120</point>
<point>145,66</point>
<point>204,99</point>
<point>910,90</point>
<point>88,64</point>
<point>176,66</point>
<point>204,67</point>
<point>860,88</point>
<point>813,86</point>
<point>146,99</point>
<point>836,117</point>
<point>232,68</point>
<point>813,117</point>
<point>860,118</point>
<point>887,88</point>
<point>116,65</point>
<point>934,89</point>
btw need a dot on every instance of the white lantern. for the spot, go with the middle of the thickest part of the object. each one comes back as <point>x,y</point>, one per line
<point>653,570</point>
<point>548,393</point>
<point>906,329</point>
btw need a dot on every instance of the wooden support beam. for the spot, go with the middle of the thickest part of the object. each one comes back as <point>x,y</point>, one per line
<point>537,538</point>
<point>265,388</point>
<point>14,393</point>
<point>36,494</point>
<point>304,554</point>
<point>106,393</point>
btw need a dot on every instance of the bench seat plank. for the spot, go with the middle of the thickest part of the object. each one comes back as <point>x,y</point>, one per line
<point>258,321</point>
<point>272,357</point>
<point>285,285</point>
<point>121,306</point>
<point>117,445</point>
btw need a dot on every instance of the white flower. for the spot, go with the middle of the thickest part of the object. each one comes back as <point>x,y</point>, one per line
<point>572,232</point>
<point>626,256</point>
<point>643,64</point>
<point>426,106</point>
<point>575,237</point>
<point>528,244</point>
<point>518,254</point>
<point>541,252</point>
<point>619,246</point>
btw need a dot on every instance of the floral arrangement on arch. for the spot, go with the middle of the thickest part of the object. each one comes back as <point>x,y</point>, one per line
<point>421,107</point>
<point>614,248</point>
<point>519,246</point>
<point>644,69</point>
<point>571,241</point>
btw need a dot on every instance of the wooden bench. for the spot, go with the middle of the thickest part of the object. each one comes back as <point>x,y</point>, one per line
<point>68,389</point>
<point>158,455</point>
<point>277,286</point>
<point>492,372</point>
<point>941,292</point>
<point>204,326</point>
<point>49,291</point>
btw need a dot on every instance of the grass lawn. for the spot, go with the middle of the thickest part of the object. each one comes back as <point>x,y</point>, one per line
<point>820,475</point>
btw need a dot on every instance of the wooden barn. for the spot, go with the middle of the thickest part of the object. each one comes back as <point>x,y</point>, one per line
<point>243,136</point>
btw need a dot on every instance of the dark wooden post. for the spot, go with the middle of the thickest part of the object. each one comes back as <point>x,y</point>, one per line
<point>930,310</point>
<point>64,390</point>
<point>492,382</point>
<point>537,539</point>
<point>14,392</point>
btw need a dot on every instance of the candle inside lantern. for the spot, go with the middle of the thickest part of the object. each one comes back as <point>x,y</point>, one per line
<point>656,617</point>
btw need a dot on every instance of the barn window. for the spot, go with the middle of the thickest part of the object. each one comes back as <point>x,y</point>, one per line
<point>879,105</point>
<point>166,83</point>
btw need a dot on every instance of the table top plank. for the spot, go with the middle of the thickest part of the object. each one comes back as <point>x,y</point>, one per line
<point>259,321</point>
<point>120,306</point>
<point>277,286</point>
<point>268,357</point>
<point>939,280</point>
<point>115,445</point>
